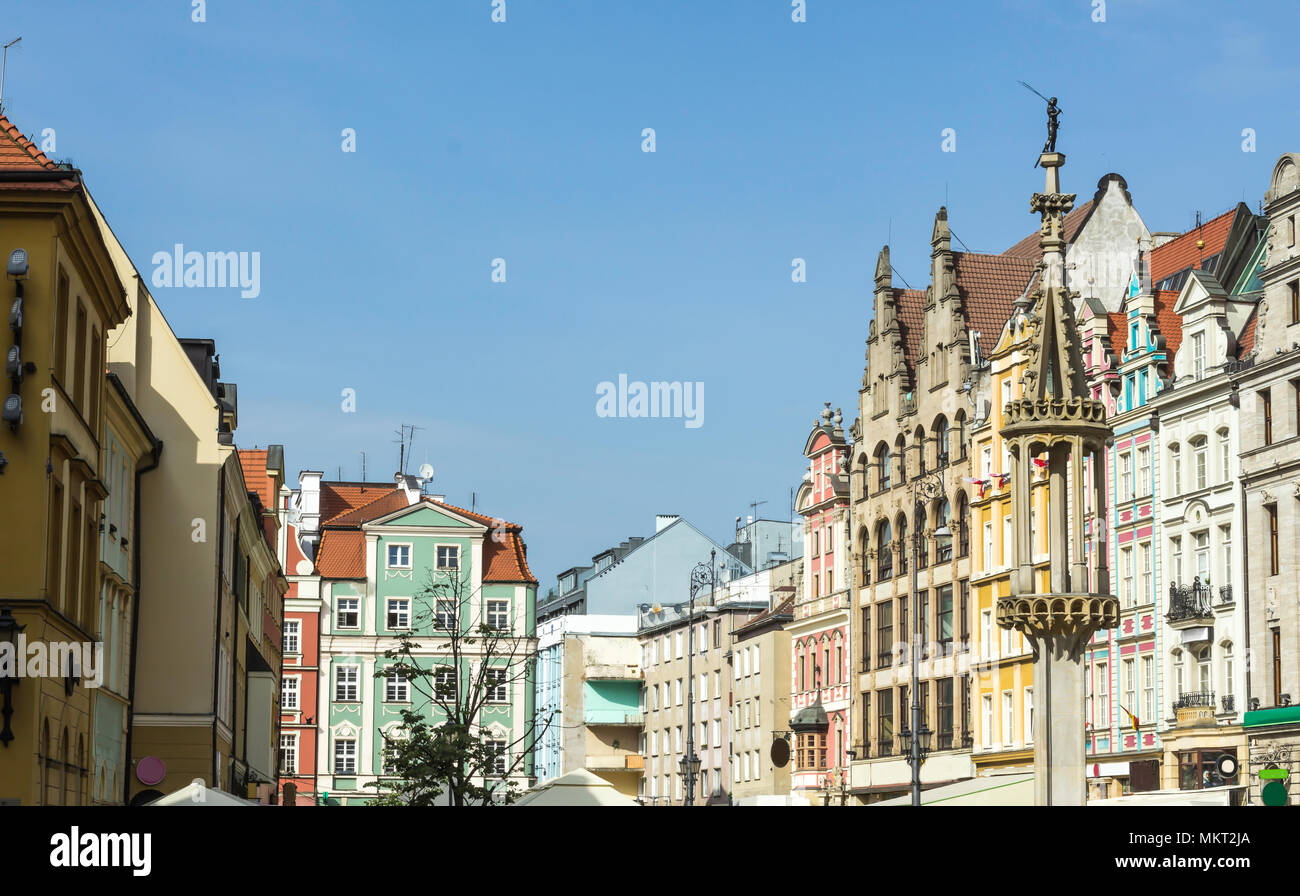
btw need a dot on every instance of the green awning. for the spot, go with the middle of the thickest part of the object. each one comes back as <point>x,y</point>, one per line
<point>1278,715</point>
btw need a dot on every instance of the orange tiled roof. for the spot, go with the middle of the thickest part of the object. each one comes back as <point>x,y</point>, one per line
<point>1182,252</point>
<point>339,497</point>
<point>508,561</point>
<point>342,554</point>
<point>989,286</point>
<point>1169,322</point>
<point>253,463</point>
<point>1029,246</point>
<point>17,153</point>
<point>1117,331</point>
<point>380,505</point>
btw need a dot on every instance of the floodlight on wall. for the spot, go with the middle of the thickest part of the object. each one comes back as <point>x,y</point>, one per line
<point>17,267</point>
<point>13,411</point>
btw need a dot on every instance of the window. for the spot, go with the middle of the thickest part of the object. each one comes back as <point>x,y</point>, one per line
<point>1008,717</point>
<point>1144,471</point>
<point>399,556</point>
<point>679,692</point>
<point>1148,689</point>
<point>289,692</point>
<point>448,556</point>
<point>1225,539</point>
<point>1270,511</point>
<point>1126,576</point>
<point>943,602</point>
<point>1175,469</point>
<point>1029,715</point>
<point>288,754</point>
<point>61,331</point>
<point>1201,456</point>
<point>885,635</point>
<point>1126,476</point>
<point>964,613</point>
<point>498,757</point>
<point>1202,542</point>
<point>345,757</point>
<point>1130,686</point>
<point>498,614</point>
<point>986,710</point>
<point>988,545</point>
<point>79,359</point>
<point>1176,559</point>
<point>944,703</point>
<point>444,686</point>
<point>1294,287</point>
<point>399,612</point>
<point>396,688</point>
<point>882,466</point>
<point>866,638</point>
<point>1145,595</point>
<point>986,634</point>
<point>1225,457</point>
<point>348,613</point>
<point>291,631</point>
<point>1103,696</point>
<point>1006,541</point>
<point>1266,408</point>
<point>498,691</point>
<point>345,684</point>
<point>885,722</point>
<point>445,614</point>
<point>679,644</point>
<point>1198,356</point>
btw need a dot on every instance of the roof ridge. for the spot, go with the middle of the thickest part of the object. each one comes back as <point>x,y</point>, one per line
<point>360,507</point>
<point>27,146</point>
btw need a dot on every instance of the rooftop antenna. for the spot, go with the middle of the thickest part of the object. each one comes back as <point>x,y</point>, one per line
<point>754,505</point>
<point>3,65</point>
<point>363,466</point>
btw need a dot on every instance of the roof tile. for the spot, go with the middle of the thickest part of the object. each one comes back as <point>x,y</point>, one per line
<point>1029,247</point>
<point>342,554</point>
<point>1182,253</point>
<point>989,286</point>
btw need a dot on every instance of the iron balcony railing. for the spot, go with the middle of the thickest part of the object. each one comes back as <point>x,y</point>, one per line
<point>1201,699</point>
<point>1189,602</point>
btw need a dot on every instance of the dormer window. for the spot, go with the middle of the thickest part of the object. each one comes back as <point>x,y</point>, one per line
<point>1198,356</point>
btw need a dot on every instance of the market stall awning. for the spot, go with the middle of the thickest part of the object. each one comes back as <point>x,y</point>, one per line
<point>993,790</point>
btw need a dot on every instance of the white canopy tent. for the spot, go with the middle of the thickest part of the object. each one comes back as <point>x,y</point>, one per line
<point>577,788</point>
<point>195,794</point>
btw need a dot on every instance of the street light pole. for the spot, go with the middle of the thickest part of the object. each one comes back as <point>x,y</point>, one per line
<point>924,487</point>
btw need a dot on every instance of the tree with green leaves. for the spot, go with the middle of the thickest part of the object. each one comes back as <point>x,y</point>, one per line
<point>449,748</point>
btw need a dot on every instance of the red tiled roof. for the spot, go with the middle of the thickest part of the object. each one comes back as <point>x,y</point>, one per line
<point>989,286</point>
<point>1170,323</point>
<point>1029,247</point>
<point>1246,343</point>
<point>911,316</point>
<point>1117,331</point>
<point>342,554</point>
<point>381,505</point>
<point>339,497</point>
<point>253,463</point>
<point>17,153</point>
<point>1182,252</point>
<point>506,561</point>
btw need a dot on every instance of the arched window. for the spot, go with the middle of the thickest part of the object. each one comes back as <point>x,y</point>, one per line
<point>1203,685</point>
<point>900,455</point>
<point>960,421</point>
<point>1201,461</point>
<point>919,435</point>
<point>1225,457</point>
<point>864,546</point>
<point>943,546</point>
<point>882,466</point>
<point>941,446</point>
<point>1175,468</point>
<point>962,535</point>
<point>884,550</point>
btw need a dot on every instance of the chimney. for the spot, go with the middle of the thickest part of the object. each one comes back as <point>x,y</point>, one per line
<point>309,502</point>
<point>408,484</point>
<point>664,520</point>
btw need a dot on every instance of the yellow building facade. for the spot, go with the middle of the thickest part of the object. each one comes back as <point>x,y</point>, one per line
<point>62,298</point>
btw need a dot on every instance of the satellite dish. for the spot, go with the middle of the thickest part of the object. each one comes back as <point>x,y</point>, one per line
<point>426,472</point>
<point>780,752</point>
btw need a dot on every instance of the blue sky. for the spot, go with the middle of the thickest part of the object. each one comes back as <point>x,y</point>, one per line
<point>522,141</point>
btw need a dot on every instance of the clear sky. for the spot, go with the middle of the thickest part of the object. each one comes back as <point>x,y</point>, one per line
<point>523,141</point>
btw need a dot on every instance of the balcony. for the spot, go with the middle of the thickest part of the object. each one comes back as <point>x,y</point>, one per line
<point>611,717</point>
<point>1194,709</point>
<point>1190,603</point>
<point>1194,700</point>
<point>622,762</point>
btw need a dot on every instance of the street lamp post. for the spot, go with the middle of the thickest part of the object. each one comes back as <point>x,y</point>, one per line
<point>703,574</point>
<point>916,740</point>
